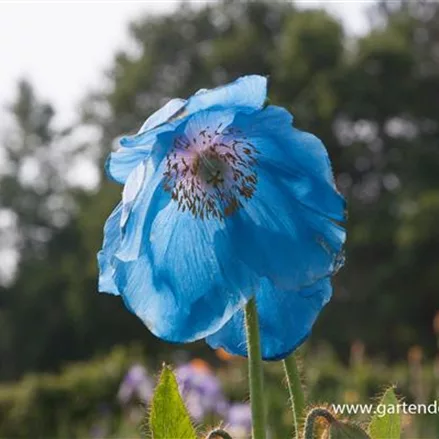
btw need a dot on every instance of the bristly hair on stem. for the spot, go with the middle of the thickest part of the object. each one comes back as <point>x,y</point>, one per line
<point>255,372</point>
<point>295,390</point>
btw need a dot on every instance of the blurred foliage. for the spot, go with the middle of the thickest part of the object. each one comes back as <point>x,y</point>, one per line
<point>71,404</point>
<point>374,100</point>
<point>80,401</point>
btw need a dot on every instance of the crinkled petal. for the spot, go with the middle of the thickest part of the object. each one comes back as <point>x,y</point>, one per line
<point>298,158</point>
<point>289,231</point>
<point>105,256</point>
<point>120,163</point>
<point>169,110</point>
<point>285,320</point>
<point>131,189</point>
<point>212,121</point>
<point>186,283</point>
<point>248,92</point>
<point>282,240</point>
<point>141,191</point>
<point>134,150</point>
<point>144,181</point>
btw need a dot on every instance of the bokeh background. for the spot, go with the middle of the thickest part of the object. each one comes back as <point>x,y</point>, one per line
<point>363,76</point>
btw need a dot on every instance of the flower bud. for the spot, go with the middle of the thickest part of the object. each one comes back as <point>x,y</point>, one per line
<point>334,429</point>
<point>218,434</point>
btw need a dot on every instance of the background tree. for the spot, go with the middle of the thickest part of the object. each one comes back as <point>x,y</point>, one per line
<point>374,101</point>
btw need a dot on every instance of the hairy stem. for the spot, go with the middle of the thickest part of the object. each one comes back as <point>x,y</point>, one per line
<point>257,398</point>
<point>296,392</point>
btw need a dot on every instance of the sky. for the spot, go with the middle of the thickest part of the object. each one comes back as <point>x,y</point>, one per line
<point>64,47</point>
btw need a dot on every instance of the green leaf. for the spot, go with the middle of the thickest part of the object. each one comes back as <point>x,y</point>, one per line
<point>387,424</point>
<point>169,418</point>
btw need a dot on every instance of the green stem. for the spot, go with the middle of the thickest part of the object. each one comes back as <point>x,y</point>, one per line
<point>296,392</point>
<point>257,397</point>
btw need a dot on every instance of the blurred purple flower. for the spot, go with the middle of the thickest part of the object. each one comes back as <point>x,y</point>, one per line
<point>135,385</point>
<point>200,389</point>
<point>239,420</point>
<point>98,431</point>
<point>100,427</point>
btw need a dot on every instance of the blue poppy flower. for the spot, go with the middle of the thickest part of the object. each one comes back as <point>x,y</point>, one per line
<point>223,199</point>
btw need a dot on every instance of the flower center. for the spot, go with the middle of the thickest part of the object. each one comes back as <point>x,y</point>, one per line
<point>212,172</point>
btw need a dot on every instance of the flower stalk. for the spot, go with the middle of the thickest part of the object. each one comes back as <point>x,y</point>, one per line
<point>257,399</point>
<point>295,389</point>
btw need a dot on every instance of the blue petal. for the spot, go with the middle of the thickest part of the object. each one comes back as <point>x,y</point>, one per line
<point>140,191</point>
<point>213,120</point>
<point>134,150</point>
<point>248,92</point>
<point>105,256</point>
<point>289,231</point>
<point>186,283</point>
<point>298,158</point>
<point>285,320</point>
<point>133,185</point>
<point>169,110</point>
<point>138,194</point>
<point>282,240</point>
<point>120,163</point>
